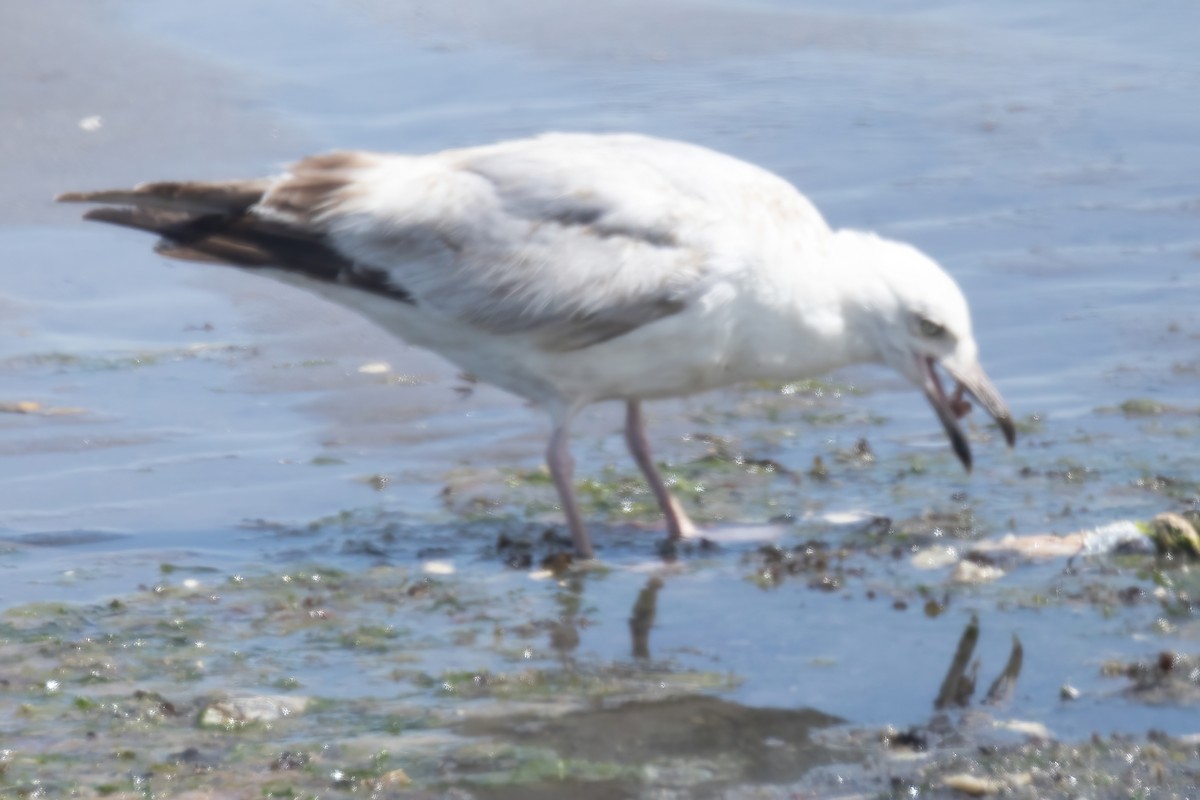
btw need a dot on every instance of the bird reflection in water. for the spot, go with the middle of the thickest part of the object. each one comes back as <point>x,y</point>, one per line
<point>645,608</point>
<point>564,632</point>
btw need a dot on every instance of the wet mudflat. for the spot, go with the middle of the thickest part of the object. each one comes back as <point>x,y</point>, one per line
<point>254,548</point>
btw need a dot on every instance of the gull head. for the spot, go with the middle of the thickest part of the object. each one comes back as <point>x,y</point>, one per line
<point>916,320</point>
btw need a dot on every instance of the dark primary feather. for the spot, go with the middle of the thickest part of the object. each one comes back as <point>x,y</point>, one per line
<point>228,197</point>
<point>215,222</point>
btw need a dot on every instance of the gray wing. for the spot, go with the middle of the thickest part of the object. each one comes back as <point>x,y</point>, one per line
<point>571,244</point>
<point>568,238</point>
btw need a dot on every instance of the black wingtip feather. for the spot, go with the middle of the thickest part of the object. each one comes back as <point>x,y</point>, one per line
<point>142,219</point>
<point>182,214</point>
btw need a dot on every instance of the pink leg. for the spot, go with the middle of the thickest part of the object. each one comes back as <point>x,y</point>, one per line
<point>678,523</point>
<point>562,470</point>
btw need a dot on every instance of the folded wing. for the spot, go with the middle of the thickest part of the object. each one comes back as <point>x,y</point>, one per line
<point>568,240</point>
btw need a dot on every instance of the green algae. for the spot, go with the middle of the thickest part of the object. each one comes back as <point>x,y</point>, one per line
<point>1142,407</point>
<point>477,701</point>
<point>146,670</point>
<point>708,485</point>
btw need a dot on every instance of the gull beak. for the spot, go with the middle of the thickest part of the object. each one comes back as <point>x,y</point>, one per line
<point>951,408</point>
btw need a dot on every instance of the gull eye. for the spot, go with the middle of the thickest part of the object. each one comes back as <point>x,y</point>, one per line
<point>931,329</point>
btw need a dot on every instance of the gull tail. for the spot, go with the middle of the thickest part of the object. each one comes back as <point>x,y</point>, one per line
<point>226,197</point>
<point>216,223</point>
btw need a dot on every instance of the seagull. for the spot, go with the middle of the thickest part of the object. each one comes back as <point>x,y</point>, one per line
<point>570,269</point>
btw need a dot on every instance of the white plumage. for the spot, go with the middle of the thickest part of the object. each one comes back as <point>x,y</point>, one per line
<point>572,268</point>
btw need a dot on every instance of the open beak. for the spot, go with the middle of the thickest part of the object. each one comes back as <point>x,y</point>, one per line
<point>951,408</point>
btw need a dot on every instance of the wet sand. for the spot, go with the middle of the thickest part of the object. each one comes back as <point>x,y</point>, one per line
<point>89,102</point>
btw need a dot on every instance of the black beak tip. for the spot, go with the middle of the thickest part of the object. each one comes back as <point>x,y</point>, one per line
<point>962,450</point>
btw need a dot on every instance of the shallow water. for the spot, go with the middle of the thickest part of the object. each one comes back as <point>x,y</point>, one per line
<point>1042,156</point>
